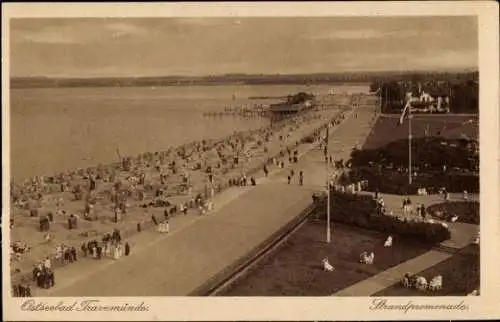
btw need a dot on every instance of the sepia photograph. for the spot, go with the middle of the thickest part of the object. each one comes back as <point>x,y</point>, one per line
<point>243,156</point>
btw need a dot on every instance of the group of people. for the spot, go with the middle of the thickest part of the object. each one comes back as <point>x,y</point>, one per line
<point>114,185</point>
<point>43,274</point>
<point>242,181</point>
<point>17,249</point>
<point>113,249</point>
<point>420,283</point>
<point>65,254</point>
<point>300,179</point>
<point>110,246</point>
<point>21,290</point>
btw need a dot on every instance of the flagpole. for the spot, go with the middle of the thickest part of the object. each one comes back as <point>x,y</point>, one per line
<point>328,234</point>
<point>380,98</point>
<point>409,144</point>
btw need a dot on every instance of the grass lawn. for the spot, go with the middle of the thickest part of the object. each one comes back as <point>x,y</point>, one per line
<point>296,268</point>
<point>386,129</point>
<point>460,276</point>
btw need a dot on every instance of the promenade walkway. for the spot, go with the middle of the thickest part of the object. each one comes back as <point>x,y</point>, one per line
<point>199,247</point>
<point>393,275</point>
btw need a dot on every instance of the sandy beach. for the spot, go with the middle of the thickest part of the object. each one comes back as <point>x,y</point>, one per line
<point>159,184</point>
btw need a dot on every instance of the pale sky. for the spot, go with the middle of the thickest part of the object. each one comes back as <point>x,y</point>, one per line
<point>102,47</point>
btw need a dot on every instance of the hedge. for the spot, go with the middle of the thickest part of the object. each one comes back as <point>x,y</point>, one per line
<point>429,154</point>
<point>362,211</point>
<point>394,182</point>
<point>467,211</point>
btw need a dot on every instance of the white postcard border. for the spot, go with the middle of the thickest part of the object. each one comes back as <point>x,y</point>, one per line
<point>280,308</point>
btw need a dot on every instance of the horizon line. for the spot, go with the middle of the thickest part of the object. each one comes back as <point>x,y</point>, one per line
<point>448,70</point>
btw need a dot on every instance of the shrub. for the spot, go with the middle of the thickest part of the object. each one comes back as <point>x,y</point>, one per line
<point>362,211</point>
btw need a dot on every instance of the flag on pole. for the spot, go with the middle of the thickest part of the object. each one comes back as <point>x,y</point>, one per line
<point>404,113</point>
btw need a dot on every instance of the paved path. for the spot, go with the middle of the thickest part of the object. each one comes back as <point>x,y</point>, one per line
<point>200,247</point>
<point>393,275</point>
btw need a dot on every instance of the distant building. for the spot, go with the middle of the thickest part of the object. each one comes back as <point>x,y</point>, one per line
<point>427,103</point>
<point>287,108</point>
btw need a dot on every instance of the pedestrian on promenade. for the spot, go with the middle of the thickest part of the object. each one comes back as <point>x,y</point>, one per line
<point>167,226</point>
<point>266,171</point>
<point>252,180</point>
<point>127,249</point>
<point>93,250</point>
<point>155,221</point>
<point>301,178</point>
<point>21,290</point>
<point>289,179</point>
<point>84,249</point>
<point>74,224</point>
<point>47,264</point>
<point>422,211</point>
<point>73,253</point>
<point>99,251</point>
<point>27,291</point>
<point>66,256</point>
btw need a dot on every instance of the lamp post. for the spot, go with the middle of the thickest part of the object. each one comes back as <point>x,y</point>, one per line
<point>328,233</point>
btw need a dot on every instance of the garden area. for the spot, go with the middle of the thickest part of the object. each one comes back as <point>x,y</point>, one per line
<point>467,211</point>
<point>461,275</point>
<point>364,212</point>
<point>445,154</point>
<point>296,269</point>
<point>358,226</point>
<point>387,129</point>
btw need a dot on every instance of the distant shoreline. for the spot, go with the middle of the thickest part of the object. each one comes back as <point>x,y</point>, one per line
<point>236,79</point>
<point>15,84</point>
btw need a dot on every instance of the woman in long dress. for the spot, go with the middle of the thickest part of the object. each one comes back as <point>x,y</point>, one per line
<point>116,254</point>
<point>59,254</point>
<point>107,249</point>
<point>120,250</point>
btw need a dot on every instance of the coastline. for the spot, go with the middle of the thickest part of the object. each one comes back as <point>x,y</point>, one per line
<point>254,164</point>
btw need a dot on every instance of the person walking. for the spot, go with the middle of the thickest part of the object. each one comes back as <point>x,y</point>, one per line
<point>73,253</point>
<point>301,178</point>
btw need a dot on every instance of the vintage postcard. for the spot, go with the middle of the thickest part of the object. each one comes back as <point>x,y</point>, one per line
<point>250,161</point>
